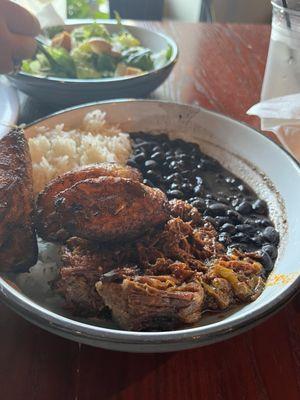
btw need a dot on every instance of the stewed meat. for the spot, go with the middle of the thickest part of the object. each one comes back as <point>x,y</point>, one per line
<point>143,302</point>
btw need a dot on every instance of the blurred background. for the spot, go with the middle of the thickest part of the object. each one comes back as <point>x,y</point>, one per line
<point>238,11</point>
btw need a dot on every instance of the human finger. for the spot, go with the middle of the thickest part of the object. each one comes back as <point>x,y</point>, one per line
<point>22,46</point>
<point>19,20</point>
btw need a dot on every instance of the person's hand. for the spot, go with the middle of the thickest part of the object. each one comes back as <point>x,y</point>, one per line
<point>17,31</point>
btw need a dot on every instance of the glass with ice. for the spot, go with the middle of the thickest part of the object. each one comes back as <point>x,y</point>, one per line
<point>282,74</point>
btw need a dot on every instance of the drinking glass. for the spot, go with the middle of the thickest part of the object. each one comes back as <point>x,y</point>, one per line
<point>282,73</point>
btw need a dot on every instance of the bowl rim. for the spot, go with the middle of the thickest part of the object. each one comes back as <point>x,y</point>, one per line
<point>73,81</point>
<point>68,326</point>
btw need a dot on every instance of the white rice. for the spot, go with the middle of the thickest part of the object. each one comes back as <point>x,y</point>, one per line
<point>55,151</point>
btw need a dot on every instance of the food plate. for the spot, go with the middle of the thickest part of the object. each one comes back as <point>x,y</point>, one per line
<point>243,151</point>
<point>9,106</point>
<point>69,92</point>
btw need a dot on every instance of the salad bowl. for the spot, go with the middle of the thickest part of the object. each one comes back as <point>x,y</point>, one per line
<point>71,91</point>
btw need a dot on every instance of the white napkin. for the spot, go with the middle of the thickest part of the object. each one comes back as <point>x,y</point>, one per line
<point>281,115</point>
<point>49,13</point>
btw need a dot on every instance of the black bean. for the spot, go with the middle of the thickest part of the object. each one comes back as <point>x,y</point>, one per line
<point>132,163</point>
<point>177,165</point>
<point>258,240</point>
<point>247,228</point>
<point>153,175</point>
<point>242,188</point>
<point>266,261</point>
<point>250,221</point>
<point>221,220</point>
<point>224,238</point>
<point>173,164</point>
<point>148,182</point>
<point>156,149</point>
<point>165,167</point>
<point>241,238</point>
<point>199,180</point>
<point>260,207</point>
<point>187,188</point>
<point>139,158</point>
<point>222,199</point>
<point>158,156</point>
<point>230,180</point>
<point>185,158</point>
<point>271,235</point>
<point>206,213</point>
<point>234,216</point>
<point>271,250</point>
<point>175,185</point>
<point>199,204</point>
<point>198,189</point>
<point>235,201</point>
<point>187,175</point>
<point>244,208</point>
<point>218,209</point>
<point>137,140</point>
<point>143,145</point>
<point>229,228</point>
<point>263,222</point>
<point>151,164</point>
<point>208,202</point>
<point>174,178</point>
<point>209,219</point>
<point>177,194</point>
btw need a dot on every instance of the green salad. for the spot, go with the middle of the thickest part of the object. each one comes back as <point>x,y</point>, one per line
<point>91,52</point>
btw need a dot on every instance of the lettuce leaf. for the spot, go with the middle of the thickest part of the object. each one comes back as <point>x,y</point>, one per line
<point>138,57</point>
<point>105,63</point>
<point>88,31</point>
<point>161,58</point>
<point>64,60</point>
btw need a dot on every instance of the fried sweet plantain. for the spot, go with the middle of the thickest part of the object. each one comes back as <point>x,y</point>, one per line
<point>18,245</point>
<point>106,209</point>
<point>46,214</point>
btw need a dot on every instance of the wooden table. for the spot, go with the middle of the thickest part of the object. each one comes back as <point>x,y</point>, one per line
<point>221,68</point>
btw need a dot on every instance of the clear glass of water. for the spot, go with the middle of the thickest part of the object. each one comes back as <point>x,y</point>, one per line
<point>282,73</point>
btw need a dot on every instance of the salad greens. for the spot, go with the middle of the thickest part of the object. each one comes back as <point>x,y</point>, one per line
<point>86,9</point>
<point>91,51</point>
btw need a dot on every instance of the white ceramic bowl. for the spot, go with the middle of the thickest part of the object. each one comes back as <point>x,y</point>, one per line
<point>268,169</point>
<point>67,92</point>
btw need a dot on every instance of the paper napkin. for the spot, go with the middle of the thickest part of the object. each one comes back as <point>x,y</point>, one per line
<point>281,115</point>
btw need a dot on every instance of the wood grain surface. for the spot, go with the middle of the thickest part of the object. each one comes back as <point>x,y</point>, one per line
<point>220,67</point>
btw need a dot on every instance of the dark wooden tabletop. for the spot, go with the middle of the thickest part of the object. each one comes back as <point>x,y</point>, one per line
<point>220,67</point>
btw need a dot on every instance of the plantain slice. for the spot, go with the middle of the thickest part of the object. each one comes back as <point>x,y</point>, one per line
<point>18,244</point>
